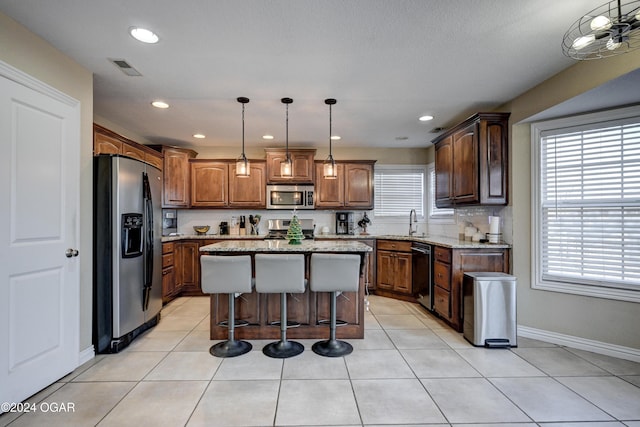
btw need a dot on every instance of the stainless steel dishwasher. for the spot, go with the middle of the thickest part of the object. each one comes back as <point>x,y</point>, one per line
<point>421,273</point>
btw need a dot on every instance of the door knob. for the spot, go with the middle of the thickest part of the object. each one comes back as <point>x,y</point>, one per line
<point>71,253</point>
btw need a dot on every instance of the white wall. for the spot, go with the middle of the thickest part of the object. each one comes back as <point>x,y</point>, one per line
<point>36,57</point>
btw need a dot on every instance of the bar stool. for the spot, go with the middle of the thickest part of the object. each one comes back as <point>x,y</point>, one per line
<point>227,275</point>
<point>278,273</point>
<point>334,273</point>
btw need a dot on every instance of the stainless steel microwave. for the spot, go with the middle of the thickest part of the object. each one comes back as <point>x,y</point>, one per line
<point>290,197</point>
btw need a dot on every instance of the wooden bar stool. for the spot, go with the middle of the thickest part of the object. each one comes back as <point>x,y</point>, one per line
<point>279,273</point>
<point>334,273</point>
<point>227,275</point>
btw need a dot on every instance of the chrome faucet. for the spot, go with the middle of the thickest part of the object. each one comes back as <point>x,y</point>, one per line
<point>413,218</point>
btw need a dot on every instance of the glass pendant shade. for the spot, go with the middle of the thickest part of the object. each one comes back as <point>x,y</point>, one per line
<point>243,168</point>
<point>329,168</point>
<point>286,167</point>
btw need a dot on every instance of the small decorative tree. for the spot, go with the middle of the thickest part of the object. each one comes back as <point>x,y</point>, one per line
<point>294,233</point>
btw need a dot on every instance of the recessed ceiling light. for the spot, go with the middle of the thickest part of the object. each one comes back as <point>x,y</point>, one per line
<point>198,135</point>
<point>425,118</point>
<point>267,136</point>
<point>160,104</point>
<point>335,137</point>
<point>143,35</point>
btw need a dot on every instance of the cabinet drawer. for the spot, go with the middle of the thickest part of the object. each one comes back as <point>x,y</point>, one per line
<point>394,245</point>
<point>442,301</point>
<point>167,260</point>
<point>168,248</point>
<point>442,275</point>
<point>442,254</point>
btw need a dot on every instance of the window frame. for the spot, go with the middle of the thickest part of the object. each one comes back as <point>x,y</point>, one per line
<point>576,287</point>
<point>395,218</point>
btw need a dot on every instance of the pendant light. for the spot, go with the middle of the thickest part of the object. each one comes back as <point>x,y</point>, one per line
<point>286,167</point>
<point>330,171</point>
<point>242,164</point>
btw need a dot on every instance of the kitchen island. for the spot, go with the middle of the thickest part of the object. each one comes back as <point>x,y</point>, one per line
<point>310,310</point>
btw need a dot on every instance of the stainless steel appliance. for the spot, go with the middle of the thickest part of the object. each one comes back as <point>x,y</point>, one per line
<point>345,223</point>
<point>290,196</point>
<point>421,266</point>
<point>127,250</point>
<point>169,222</point>
<point>489,309</point>
<point>278,228</point>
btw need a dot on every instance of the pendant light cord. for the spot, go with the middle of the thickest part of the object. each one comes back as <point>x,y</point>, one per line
<point>330,155</point>
<point>243,130</point>
<point>287,134</point>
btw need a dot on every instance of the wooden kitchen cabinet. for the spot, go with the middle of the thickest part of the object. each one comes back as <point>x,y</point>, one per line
<point>209,183</point>
<point>214,184</point>
<point>449,266</point>
<point>106,141</point>
<point>187,267</point>
<point>351,189</point>
<point>471,162</point>
<point>170,289</point>
<point>394,269</point>
<point>248,192</point>
<point>177,177</point>
<point>302,162</point>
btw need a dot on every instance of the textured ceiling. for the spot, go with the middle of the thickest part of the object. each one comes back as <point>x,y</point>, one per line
<point>386,62</point>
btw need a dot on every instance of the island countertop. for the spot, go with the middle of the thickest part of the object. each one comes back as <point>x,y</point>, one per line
<point>307,246</point>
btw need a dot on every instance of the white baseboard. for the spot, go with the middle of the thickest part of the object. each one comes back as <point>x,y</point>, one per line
<point>621,352</point>
<point>86,355</point>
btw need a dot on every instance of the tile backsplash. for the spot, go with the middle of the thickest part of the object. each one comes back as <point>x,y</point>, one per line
<point>478,216</point>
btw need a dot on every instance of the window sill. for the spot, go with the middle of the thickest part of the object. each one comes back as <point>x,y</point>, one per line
<point>589,291</point>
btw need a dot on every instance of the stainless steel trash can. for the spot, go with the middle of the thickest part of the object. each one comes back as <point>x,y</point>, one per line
<point>489,309</point>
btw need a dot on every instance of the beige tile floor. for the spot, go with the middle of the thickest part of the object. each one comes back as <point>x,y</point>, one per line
<point>410,369</point>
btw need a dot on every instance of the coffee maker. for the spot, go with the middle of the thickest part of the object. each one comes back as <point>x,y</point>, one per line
<point>344,223</point>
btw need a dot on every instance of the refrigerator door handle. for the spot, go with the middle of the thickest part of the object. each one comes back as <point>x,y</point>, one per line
<point>148,255</point>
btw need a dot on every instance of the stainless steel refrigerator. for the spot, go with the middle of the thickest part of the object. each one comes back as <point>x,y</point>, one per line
<point>127,267</point>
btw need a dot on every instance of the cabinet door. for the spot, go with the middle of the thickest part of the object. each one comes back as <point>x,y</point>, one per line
<point>249,191</point>
<point>465,165</point>
<point>358,191</point>
<point>442,302</point>
<point>104,144</point>
<point>153,160</point>
<point>188,267</point>
<point>385,273</point>
<point>402,273</point>
<point>494,165</point>
<point>168,284</point>
<point>444,172</point>
<point>132,151</point>
<point>329,192</point>
<point>176,178</point>
<point>209,183</point>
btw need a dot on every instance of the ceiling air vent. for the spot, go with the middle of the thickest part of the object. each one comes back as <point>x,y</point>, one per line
<point>125,67</point>
<point>437,130</point>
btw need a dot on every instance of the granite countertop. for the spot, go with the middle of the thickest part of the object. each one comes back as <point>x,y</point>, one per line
<point>283,246</point>
<point>447,242</point>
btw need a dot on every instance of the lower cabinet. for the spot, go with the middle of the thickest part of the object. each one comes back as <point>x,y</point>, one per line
<point>394,269</point>
<point>449,266</point>
<point>169,286</point>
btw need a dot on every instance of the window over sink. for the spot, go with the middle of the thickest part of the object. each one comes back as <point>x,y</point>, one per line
<point>398,189</point>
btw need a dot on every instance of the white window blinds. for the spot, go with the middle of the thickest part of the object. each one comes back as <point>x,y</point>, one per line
<point>398,190</point>
<point>589,227</point>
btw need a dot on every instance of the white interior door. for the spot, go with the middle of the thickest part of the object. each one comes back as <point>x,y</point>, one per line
<point>39,222</point>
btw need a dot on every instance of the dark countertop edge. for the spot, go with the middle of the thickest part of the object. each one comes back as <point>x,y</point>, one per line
<point>433,240</point>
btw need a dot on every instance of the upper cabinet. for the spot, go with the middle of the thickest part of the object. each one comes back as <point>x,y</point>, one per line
<point>351,189</point>
<point>106,141</point>
<point>214,184</point>
<point>301,159</point>
<point>177,177</point>
<point>471,162</point>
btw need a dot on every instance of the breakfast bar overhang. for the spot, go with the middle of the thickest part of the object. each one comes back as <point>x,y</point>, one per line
<point>256,314</point>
